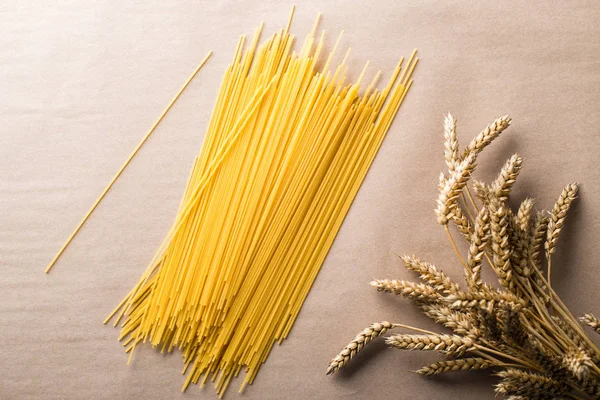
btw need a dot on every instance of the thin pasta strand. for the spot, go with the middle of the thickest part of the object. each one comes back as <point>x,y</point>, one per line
<point>126,163</point>
<point>285,153</point>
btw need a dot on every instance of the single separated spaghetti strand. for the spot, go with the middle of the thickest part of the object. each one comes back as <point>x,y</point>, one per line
<point>284,155</point>
<point>126,163</point>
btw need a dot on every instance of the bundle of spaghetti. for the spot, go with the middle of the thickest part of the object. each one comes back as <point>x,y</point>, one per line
<point>285,153</point>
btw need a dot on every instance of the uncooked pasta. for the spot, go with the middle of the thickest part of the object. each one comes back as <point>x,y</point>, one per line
<point>288,145</point>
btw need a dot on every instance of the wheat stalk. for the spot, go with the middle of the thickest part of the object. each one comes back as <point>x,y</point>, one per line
<point>521,328</point>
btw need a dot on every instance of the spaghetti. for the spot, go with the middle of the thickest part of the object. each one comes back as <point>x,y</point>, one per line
<point>286,150</point>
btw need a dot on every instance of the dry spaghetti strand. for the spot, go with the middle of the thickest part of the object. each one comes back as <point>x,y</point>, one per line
<point>126,163</point>
<point>285,153</point>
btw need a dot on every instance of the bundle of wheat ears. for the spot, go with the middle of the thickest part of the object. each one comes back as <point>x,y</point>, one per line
<point>521,328</point>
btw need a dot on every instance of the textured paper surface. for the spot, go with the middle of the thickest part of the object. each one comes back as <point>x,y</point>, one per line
<point>81,82</point>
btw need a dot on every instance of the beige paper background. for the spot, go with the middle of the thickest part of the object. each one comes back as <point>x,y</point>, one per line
<point>81,81</point>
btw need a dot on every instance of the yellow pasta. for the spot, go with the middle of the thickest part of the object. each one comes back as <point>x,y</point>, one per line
<point>284,155</point>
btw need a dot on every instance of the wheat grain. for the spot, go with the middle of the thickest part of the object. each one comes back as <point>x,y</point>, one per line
<point>362,339</point>
<point>461,364</point>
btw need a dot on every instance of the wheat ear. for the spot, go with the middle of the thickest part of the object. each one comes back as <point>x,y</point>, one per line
<point>461,364</point>
<point>483,298</point>
<point>519,242</point>
<point>451,188</point>
<point>450,142</point>
<point>557,220</point>
<point>461,323</point>
<point>519,383</point>
<point>591,321</point>
<point>361,340</point>
<point>409,290</point>
<point>449,344</point>
<point>506,179</point>
<point>592,387</point>
<point>558,216</point>
<point>538,236</point>
<point>479,241</point>
<point>482,191</point>
<point>461,221</point>
<point>578,363</point>
<point>500,245</point>
<point>430,274</point>
<point>536,241</point>
<point>486,136</point>
<point>575,337</point>
<point>523,217</point>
